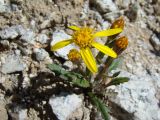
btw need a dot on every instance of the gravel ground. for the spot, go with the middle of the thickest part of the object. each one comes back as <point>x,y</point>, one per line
<point>30,91</point>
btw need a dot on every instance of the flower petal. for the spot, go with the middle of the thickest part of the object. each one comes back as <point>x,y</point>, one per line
<point>74,27</point>
<point>61,44</point>
<point>108,32</point>
<point>88,59</point>
<point>104,49</point>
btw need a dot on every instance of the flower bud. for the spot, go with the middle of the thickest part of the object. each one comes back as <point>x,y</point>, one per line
<point>74,56</point>
<point>122,42</point>
<point>119,23</point>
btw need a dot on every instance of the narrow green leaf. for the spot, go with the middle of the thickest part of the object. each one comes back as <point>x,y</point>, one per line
<point>76,74</point>
<point>57,69</point>
<point>103,109</point>
<point>75,78</point>
<point>81,82</point>
<point>64,77</point>
<point>116,74</point>
<point>114,64</point>
<point>100,106</point>
<point>118,80</point>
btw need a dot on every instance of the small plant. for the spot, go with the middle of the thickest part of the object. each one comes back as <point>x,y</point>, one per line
<point>94,79</point>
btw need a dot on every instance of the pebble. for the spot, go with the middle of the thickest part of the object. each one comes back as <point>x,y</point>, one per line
<point>123,3</point>
<point>67,107</point>
<point>42,38</point>
<point>4,7</point>
<point>104,6</point>
<point>29,36</point>
<point>69,65</point>
<point>112,16</point>
<point>22,114</point>
<point>8,33</point>
<point>12,32</point>
<point>40,54</point>
<point>132,12</point>
<point>13,63</point>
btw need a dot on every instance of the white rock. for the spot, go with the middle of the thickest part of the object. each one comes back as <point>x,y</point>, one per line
<point>4,7</point>
<point>14,7</point>
<point>22,114</point>
<point>65,106</point>
<point>105,5</point>
<point>123,3</point>
<point>69,65</point>
<point>40,54</point>
<point>29,36</point>
<point>12,32</point>
<point>8,33</point>
<point>13,63</point>
<point>112,16</point>
<point>20,29</point>
<point>42,38</point>
<point>138,96</point>
<point>60,36</point>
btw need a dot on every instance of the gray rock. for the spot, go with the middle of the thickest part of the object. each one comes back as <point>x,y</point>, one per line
<point>69,65</point>
<point>13,63</point>
<point>123,3</point>
<point>25,114</point>
<point>19,112</point>
<point>8,33</point>
<point>29,36</point>
<point>138,96</point>
<point>40,54</point>
<point>53,18</point>
<point>12,32</point>
<point>4,7</point>
<point>42,38</point>
<point>112,16</point>
<point>132,12</point>
<point>20,29</point>
<point>14,7</point>
<point>22,114</point>
<point>104,6</point>
<point>59,36</point>
<point>155,41</point>
<point>68,107</point>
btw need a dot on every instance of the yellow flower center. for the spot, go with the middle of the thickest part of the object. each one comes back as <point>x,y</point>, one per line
<point>83,37</point>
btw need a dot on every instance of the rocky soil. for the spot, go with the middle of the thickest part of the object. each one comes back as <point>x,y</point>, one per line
<point>30,91</point>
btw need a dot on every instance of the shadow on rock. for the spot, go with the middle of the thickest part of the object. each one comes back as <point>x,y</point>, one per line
<point>38,94</point>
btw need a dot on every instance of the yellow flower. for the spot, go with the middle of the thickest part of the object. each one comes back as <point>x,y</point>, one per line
<point>84,38</point>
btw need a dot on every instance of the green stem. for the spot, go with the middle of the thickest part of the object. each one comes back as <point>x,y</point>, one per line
<point>107,63</point>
